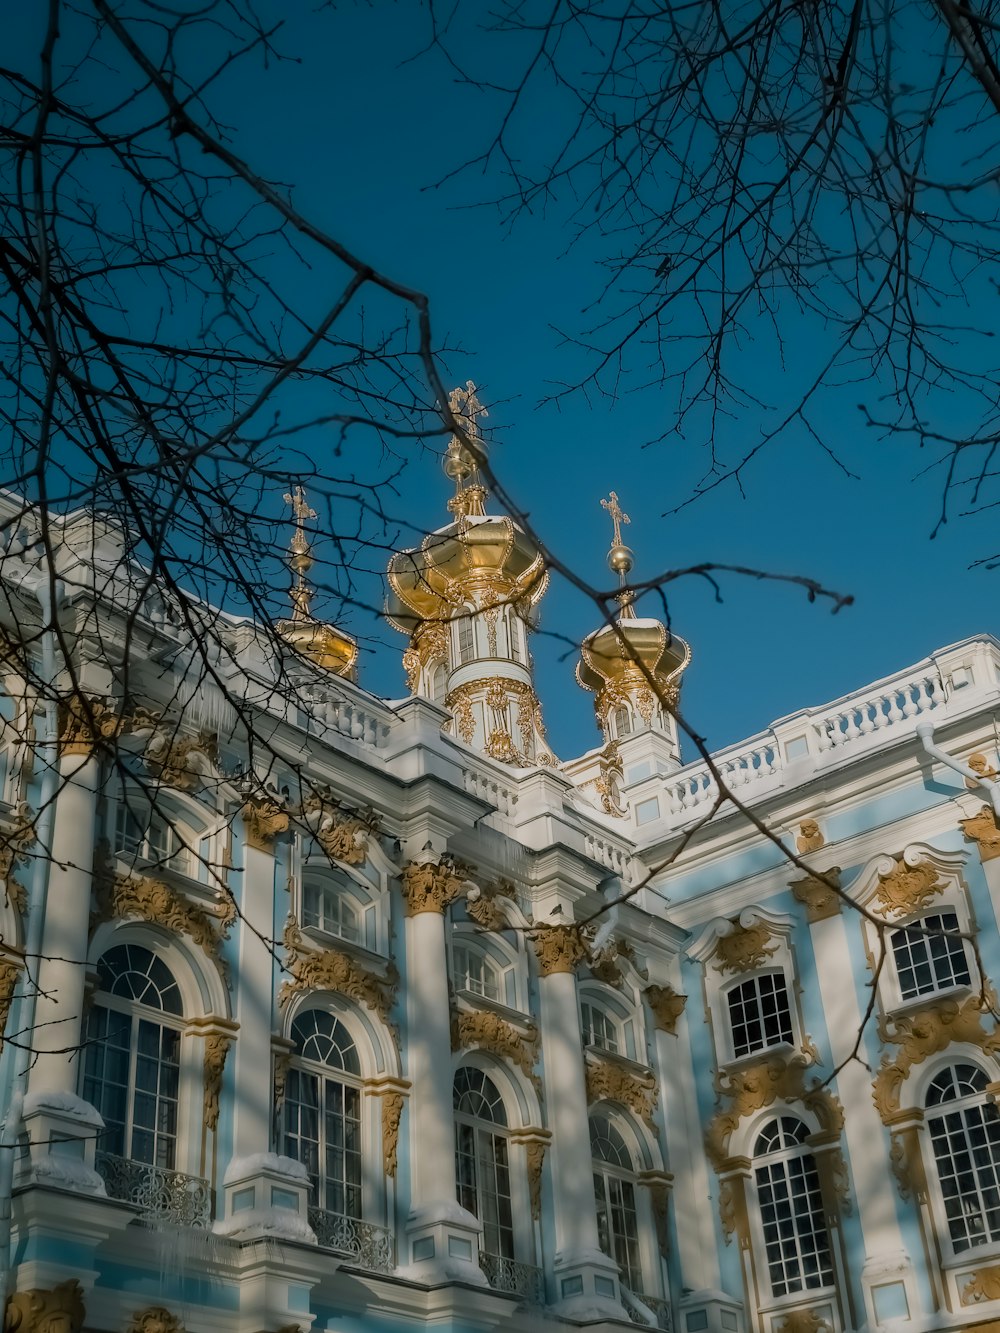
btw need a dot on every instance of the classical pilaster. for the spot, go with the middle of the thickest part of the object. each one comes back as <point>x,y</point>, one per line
<point>586,1280</point>
<point>886,1257</point>
<point>442,1239</point>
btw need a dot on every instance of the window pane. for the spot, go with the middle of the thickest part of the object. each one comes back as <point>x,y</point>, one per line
<point>796,1245</point>
<point>930,962</point>
<point>759,1013</point>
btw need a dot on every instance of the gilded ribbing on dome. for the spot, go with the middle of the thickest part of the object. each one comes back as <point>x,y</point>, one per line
<point>325,645</point>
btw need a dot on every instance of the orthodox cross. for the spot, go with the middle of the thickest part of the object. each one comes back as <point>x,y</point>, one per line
<point>300,557</point>
<point>618,516</point>
<point>466,407</point>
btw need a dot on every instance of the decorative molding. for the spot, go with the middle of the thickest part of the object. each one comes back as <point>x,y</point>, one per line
<point>484,908</point>
<point>392,1110</point>
<point>904,887</point>
<point>490,1032</point>
<point>85,722</point>
<point>14,852</point>
<point>804,1321</point>
<point>217,1046</point>
<point>606,963</point>
<point>334,970</point>
<point>907,1163</point>
<point>343,835</point>
<point>746,946</point>
<point>820,900</point>
<point>666,1006</point>
<point>751,1087</point>
<point>60,1310</point>
<point>282,1063</point>
<point>122,896</point>
<point>9,971</point>
<point>155,1319</point>
<point>658,1183</point>
<point>982,830</point>
<point>983,1285</point>
<point>535,1142</point>
<point>182,762</point>
<point>924,1033</point>
<point>810,837</point>
<point>264,821</point>
<point>612,1082</point>
<point>430,886</point>
<point>559,948</point>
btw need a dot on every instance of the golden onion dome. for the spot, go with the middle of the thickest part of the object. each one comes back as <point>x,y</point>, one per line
<point>611,655</point>
<point>477,553</point>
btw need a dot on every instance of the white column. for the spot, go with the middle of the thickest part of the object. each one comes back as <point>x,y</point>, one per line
<point>886,1259</point>
<point>586,1279</point>
<point>254,1091</point>
<point>442,1237</point>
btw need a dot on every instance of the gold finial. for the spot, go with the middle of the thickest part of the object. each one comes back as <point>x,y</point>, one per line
<point>300,559</point>
<point>459,462</point>
<point>620,558</point>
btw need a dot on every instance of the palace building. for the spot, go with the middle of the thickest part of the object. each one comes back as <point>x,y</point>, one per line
<point>329,1013</point>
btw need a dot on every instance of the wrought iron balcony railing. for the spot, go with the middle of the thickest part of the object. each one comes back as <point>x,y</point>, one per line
<point>163,1196</point>
<point>524,1280</point>
<point>647,1311</point>
<point>362,1243</point>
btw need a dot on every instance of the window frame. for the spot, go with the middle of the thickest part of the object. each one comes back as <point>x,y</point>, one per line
<point>896,999</point>
<point>754,978</point>
<point>508,960</point>
<point>625,1175</point>
<point>972,1254</point>
<point>479,1128</point>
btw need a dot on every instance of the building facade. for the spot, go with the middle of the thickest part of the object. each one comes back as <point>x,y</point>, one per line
<point>328,1013</point>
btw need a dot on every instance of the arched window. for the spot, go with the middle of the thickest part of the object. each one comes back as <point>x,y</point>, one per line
<point>322,1112</point>
<point>614,1195</point>
<point>439,683</point>
<point>929,956</point>
<point>759,1013</point>
<point>965,1133</point>
<point>333,909</point>
<point>623,721</point>
<point>466,639</point>
<point>477,972</point>
<point>482,1160</point>
<point>790,1205</point>
<point>142,833</point>
<point>599,1028</point>
<point>514,632</point>
<point>131,1069</point>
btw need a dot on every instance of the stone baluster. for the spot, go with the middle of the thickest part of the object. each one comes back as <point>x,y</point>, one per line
<point>586,1279</point>
<point>442,1238</point>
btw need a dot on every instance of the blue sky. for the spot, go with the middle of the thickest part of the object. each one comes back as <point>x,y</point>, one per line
<point>362,133</point>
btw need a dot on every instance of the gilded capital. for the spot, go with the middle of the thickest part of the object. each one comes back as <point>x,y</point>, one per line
<point>430,886</point>
<point>264,821</point>
<point>84,723</point>
<point>60,1310</point>
<point>818,895</point>
<point>559,948</point>
<point>667,1005</point>
<point>155,1319</point>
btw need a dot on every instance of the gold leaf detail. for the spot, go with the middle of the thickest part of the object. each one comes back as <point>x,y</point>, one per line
<point>492,1033</point>
<point>908,888</point>
<point>85,722</point>
<point>982,829</point>
<point>818,898</point>
<point>983,1285</point>
<point>216,1049</point>
<point>155,1319</point>
<point>13,852</point>
<point>392,1110</point>
<point>8,981</point>
<point>124,896</point>
<point>430,886</point>
<point>925,1033</point>
<point>751,1087</point>
<point>607,1081</point>
<point>810,837</point>
<point>667,1005</point>
<point>745,947</point>
<point>182,762</point>
<point>60,1310</point>
<point>805,1321</point>
<point>559,948</point>
<point>330,969</point>
<point>264,821</point>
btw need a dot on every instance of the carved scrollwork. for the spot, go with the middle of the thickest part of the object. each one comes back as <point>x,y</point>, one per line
<point>155,1319</point>
<point>60,1310</point>
<point>982,830</point>
<point>123,896</point>
<point>333,970</point>
<point>612,1082</point>
<point>805,1321</point>
<point>429,886</point>
<point>392,1110</point>
<point>925,1033</point>
<point>182,762</point>
<point>983,1285</point>
<point>9,972</point>
<point>666,1005</point>
<point>753,1086</point>
<point>216,1049</point>
<point>820,900</point>
<point>264,821</point>
<point>85,722</point>
<point>490,1032</point>
<point>14,852</point>
<point>535,1153</point>
<point>559,948</point>
<point>342,834</point>
<point>904,888</point>
<point>744,947</point>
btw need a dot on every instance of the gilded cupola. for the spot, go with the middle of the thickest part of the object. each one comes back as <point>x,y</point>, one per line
<point>325,645</point>
<point>466,597</point>
<point>622,662</point>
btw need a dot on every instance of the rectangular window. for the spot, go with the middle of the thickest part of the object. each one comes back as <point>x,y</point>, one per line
<point>791,1216</point>
<point>598,1029</point>
<point>759,1015</point>
<point>929,957</point>
<point>466,640</point>
<point>514,638</point>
